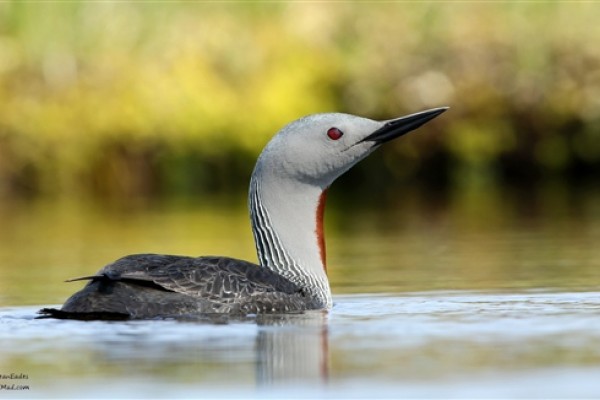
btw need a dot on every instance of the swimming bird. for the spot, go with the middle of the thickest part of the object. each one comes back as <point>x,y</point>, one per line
<point>286,201</point>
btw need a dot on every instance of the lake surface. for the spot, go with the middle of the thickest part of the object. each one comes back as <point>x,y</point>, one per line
<point>459,344</point>
<point>480,294</point>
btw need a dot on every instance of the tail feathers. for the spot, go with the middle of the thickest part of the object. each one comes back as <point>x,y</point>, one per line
<point>114,277</point>
<point>85,278</point>
<point>82,316</point>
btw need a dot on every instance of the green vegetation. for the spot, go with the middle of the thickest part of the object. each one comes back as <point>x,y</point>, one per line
<point>128,98</point>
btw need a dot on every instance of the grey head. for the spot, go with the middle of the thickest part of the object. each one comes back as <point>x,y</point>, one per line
<point>319,148</point>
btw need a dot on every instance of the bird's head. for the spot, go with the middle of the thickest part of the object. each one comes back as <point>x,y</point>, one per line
<point>319,148</point>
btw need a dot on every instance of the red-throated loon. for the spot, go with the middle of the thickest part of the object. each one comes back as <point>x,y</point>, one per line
<point>286,202</point>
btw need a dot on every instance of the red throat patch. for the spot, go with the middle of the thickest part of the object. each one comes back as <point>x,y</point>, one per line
<point>319,232</point>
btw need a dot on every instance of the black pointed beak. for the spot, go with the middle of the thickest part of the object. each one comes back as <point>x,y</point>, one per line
<point>400,126</point>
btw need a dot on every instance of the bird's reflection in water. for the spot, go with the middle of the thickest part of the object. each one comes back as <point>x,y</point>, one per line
<point>283,349</point>
<point>292,348</point>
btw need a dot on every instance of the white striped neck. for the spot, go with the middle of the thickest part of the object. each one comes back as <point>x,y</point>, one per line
<point>287,223</point>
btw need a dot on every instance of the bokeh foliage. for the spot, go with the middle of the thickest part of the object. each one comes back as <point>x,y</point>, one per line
<point>128,98</point>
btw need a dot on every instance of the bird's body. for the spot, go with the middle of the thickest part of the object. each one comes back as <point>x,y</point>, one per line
<point>149,285</point>
<point>286,202</point>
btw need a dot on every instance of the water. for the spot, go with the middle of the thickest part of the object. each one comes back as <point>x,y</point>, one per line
<point>458,344</point>
<point>481,296</point>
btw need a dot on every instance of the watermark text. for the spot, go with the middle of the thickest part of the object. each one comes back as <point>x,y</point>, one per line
<point>7,381</point>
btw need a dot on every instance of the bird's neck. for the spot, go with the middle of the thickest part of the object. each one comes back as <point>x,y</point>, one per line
<point>287,223</point>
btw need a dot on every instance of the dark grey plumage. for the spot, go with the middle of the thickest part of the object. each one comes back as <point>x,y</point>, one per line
<point>150,285</point>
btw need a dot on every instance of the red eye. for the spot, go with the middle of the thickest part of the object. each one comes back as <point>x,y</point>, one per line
<point>334,133</point>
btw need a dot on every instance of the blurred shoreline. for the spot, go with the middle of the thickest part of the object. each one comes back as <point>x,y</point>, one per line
<point>126,99</point>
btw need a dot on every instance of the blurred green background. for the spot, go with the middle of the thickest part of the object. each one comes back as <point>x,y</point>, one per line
<point>134,126</point>
<point>146,99</point>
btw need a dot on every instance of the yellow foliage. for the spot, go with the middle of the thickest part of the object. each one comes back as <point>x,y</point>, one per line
<point>78,76</point>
